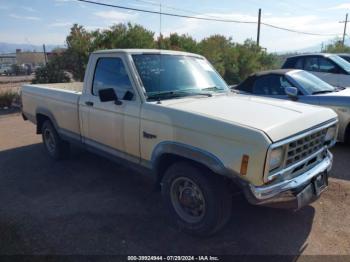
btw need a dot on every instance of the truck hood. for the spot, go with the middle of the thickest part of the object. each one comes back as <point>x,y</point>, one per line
<point>279,119</point>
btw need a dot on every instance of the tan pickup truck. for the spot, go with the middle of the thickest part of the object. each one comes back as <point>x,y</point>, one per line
<point>171,115</point>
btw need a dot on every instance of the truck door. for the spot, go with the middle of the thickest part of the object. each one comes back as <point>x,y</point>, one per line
<point>107,126</point>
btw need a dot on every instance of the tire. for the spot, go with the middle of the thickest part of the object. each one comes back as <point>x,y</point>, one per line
<point>204,206</point>
<point>54,145</point>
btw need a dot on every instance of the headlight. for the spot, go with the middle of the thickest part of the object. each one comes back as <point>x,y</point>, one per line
<point>331,133</point>
<point>276,158</point>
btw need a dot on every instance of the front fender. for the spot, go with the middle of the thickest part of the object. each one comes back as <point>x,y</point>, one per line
<point>189,152</point>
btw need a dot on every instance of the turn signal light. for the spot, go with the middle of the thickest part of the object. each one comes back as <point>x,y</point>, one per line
<point>244,165</point>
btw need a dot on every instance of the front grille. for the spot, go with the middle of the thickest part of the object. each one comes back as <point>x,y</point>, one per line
<point>304,147</point>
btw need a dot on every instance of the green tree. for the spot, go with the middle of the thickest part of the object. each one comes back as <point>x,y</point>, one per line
<point>79,43</point>
<point>123,36</point>
<point>336,47</point>
<point>179,42</point>
<point>52,72</point>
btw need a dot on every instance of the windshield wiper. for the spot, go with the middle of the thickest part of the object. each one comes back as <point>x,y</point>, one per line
<point>323,92</point>
<point>174,94</point>
<point>212,88</point>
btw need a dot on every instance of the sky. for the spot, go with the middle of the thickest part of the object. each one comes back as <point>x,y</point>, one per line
<point>48,21</point>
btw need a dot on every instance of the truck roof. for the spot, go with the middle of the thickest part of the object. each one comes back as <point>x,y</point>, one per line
<point>146,51</point>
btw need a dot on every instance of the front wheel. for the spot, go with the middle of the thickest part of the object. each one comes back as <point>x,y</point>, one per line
<point>197,200</point>
<point>54,145</point>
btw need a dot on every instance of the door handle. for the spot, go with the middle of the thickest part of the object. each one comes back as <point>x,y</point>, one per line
<point>89,103</point>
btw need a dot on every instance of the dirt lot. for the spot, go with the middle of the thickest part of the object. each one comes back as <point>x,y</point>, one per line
<point>14,83</point>
<point>89,205</point>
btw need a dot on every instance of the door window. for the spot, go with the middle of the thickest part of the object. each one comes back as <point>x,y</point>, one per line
<point>110,72</point>
<point>271,85</point>
<point>326,65</point>
<point>311,64</point>
<point>299,63</point>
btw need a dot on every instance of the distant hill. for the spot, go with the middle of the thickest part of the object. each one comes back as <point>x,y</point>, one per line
<point>11,47</point>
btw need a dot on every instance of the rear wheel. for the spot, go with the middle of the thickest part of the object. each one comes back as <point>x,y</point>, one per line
<point>197,200</point>
<point>54,145</point>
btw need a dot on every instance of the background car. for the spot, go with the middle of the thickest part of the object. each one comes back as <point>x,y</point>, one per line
<point>301,86</point>
<point>345,56</point>
<point>330,68</point>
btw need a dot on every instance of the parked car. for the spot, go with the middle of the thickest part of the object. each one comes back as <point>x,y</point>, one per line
<point>171,115</point>
<point>330,68</point>
<point>301,86</point>
<point>345,56</point>
<point>5,69</point>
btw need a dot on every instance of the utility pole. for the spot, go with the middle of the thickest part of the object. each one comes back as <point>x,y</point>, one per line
<point>45,56</point>
<point>345,24</point>
<point>259,23</point>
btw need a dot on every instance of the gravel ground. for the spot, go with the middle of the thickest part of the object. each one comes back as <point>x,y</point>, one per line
<point>89,205</point>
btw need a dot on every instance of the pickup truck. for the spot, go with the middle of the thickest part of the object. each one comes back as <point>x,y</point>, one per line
<point>171,116</point>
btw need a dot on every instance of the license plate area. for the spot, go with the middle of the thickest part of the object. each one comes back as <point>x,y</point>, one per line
<point>320,183</point>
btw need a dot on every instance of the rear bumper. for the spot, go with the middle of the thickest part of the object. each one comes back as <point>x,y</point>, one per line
<point>294,193</point>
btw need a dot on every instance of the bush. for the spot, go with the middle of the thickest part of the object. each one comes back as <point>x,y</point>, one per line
<point>7,98</point>
<point>51,73</point>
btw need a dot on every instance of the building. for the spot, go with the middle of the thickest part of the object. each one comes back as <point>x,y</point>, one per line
<point>30,58</point>
<point>8,59</point>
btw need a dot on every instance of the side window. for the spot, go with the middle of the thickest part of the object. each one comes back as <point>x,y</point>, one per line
<point>247,85</point>
<point>299,63</point>
<point>311,64</point>
<point>111,73</point>
<point>271,85</point>
<point>327,66</point>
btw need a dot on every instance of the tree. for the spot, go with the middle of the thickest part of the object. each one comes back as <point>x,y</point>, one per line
<point>179,42</point>
<point>79,43</point>
<point>233,61</point>
<point>336,47</point>
<point>52,72</point>
<point>216,48</point>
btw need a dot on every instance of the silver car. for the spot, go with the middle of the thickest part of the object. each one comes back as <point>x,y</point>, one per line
<point>331,68</point>
<point>301,86</point>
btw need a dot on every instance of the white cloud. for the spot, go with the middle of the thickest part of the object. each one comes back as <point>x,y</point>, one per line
<point>24,17</point>
<point>28,8</point>
<point>115,16</point>
<point>61,24</point>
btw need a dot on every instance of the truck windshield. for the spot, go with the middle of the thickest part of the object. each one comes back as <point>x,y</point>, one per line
<point>177,75</point>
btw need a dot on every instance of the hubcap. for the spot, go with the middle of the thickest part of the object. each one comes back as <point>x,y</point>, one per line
<point>187,199</point>
<point>49,139</point>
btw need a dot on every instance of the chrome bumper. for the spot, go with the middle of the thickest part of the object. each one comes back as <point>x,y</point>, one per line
<point>296,192</point>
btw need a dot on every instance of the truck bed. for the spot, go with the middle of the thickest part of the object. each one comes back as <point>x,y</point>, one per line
<point>73,86</point>
<point>60,99</point>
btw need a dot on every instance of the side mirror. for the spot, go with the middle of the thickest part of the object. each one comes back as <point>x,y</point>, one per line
<point>107,95</point>
<point>292,92</point>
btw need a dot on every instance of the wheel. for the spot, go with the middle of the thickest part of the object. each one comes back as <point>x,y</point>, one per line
<point>198,201</point>
<point>54,145</point>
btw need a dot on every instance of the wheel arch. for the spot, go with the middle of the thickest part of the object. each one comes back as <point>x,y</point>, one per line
<point>41,116</point>
<point>166,153</point>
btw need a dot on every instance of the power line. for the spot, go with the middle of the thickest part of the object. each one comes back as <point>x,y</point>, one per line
<point>296,31</point>
<point>203,18</point>
<point>167,14</point>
